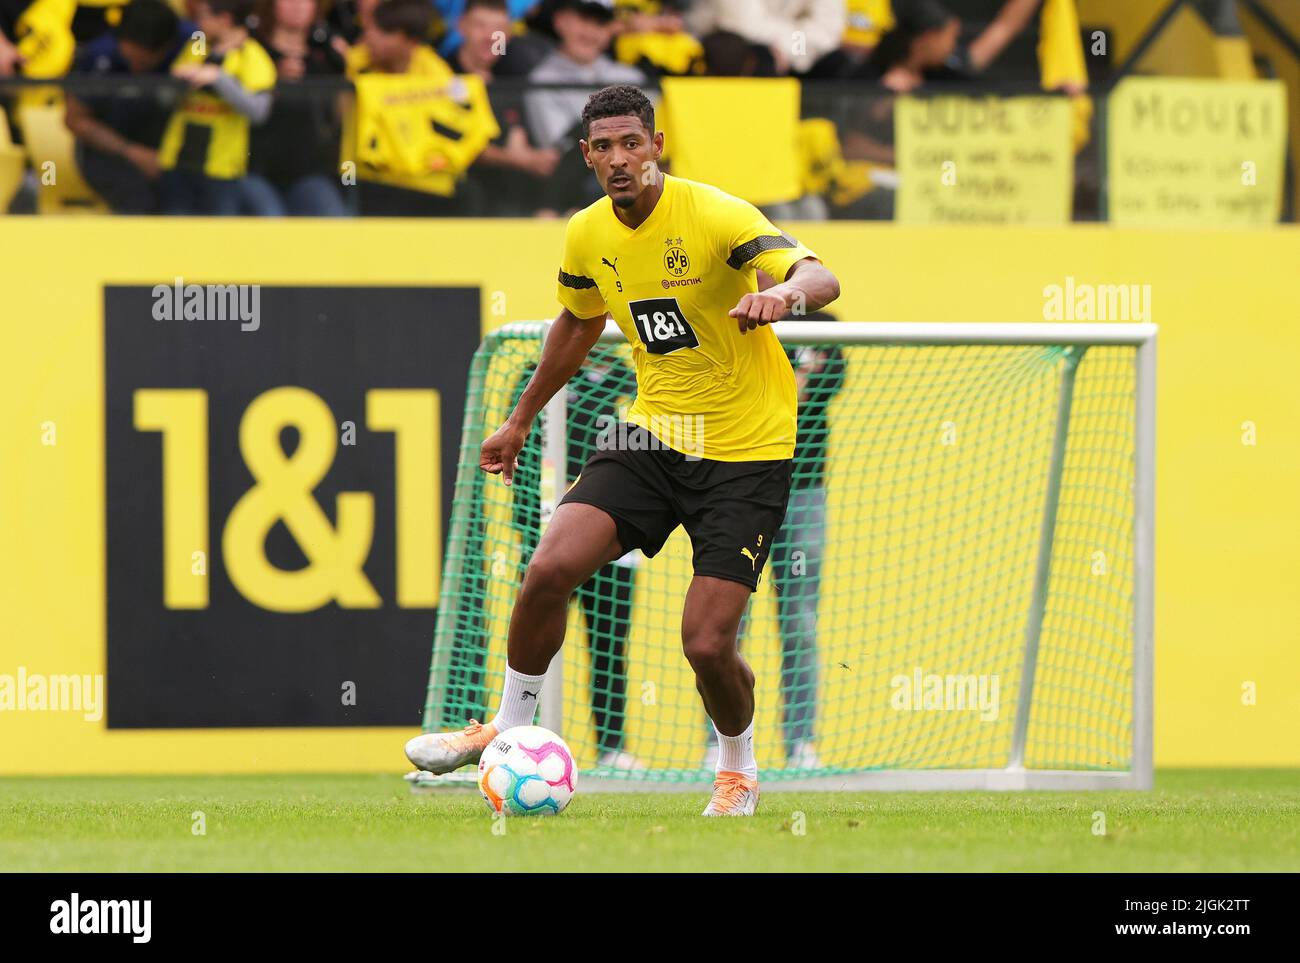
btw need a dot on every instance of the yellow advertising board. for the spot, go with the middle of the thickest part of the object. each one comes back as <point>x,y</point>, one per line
<point>84,358</point>
<point>1196,153</point>
<point>984,160</point>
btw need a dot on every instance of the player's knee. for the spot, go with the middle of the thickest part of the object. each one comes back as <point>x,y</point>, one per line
<point>709,650</point>
<point>548,577</point>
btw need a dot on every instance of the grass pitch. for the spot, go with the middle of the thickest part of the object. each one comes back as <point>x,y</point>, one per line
<point>1194,820</point>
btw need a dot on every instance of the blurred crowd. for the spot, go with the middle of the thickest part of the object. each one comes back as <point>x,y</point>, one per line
<point>273,107</point>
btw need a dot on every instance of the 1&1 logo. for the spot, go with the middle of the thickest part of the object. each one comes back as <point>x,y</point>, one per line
<point>275,502</point>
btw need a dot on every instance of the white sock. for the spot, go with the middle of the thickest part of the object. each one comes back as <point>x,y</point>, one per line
<point>518,700</point>
<point>736,753</point>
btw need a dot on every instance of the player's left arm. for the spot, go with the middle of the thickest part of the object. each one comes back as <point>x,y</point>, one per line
<point>808,287</point>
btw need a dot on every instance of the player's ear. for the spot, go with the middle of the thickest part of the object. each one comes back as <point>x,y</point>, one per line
<point>658,142</point>
<point>586,152</point>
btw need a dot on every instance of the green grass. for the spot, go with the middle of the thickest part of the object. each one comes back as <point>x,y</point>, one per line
<point>1195,820</point>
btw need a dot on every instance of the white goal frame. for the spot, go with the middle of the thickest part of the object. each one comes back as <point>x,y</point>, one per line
<point>1014,775</point>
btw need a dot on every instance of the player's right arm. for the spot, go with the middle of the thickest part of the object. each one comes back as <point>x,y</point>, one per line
<point>567,344</point>
<point>572,335</point>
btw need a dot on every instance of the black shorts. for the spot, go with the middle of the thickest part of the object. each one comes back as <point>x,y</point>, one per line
<point>732,510</point>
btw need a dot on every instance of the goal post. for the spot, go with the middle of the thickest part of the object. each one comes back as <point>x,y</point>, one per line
<point>960,597</point>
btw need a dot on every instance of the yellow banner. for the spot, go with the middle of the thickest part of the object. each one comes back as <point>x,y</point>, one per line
<point>706,120</point>
<point>1196,153</point>
<point>983,160</point>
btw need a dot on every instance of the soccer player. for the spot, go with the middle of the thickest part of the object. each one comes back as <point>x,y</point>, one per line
<point>710,437</point>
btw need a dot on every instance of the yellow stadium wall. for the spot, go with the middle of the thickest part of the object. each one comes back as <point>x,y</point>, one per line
<point>1228,530</point>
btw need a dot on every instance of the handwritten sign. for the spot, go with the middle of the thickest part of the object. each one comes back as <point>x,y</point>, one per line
<point>1185,152</point>
<point>983,160</point>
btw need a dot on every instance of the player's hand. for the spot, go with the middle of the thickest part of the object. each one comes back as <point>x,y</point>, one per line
<point>500,453</point>
<point>761,307</point>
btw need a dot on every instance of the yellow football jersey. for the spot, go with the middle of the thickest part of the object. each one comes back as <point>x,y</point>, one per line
<point>669,284</point>
<point>205,133</point>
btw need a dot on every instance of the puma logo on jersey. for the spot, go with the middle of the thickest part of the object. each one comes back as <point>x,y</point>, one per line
<point>612,265</point>
<point>753,556</point>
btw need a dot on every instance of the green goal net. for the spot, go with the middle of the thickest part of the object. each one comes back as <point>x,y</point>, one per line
<point>959,595</point>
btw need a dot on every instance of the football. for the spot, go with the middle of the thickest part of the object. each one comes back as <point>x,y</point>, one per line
<point>527,771</point>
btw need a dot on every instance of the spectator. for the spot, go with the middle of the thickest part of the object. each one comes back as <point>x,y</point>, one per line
<point>728,54</point>
<point>344,18</point>
<point>866,22</point>
<point>451,12</point>
<point>296,151</point>
<point>922,42</point>
<point>43,37</point>
<point>794,33</point>
<point>1001,34</point>
<point>204,152</point>
<point>531,43</point>
<point>482,27</point>
<point>118,136</point>
<point>511,170</point>
<point>584,29</point>
<point>652,37</point>
<point>930,44</point>
<point>394,41</point>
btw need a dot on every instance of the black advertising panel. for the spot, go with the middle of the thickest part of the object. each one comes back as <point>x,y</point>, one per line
<point>279,468</point>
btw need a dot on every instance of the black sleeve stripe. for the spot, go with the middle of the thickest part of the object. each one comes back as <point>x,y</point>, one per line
<point>751,249</point>
<point>576,281</point>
